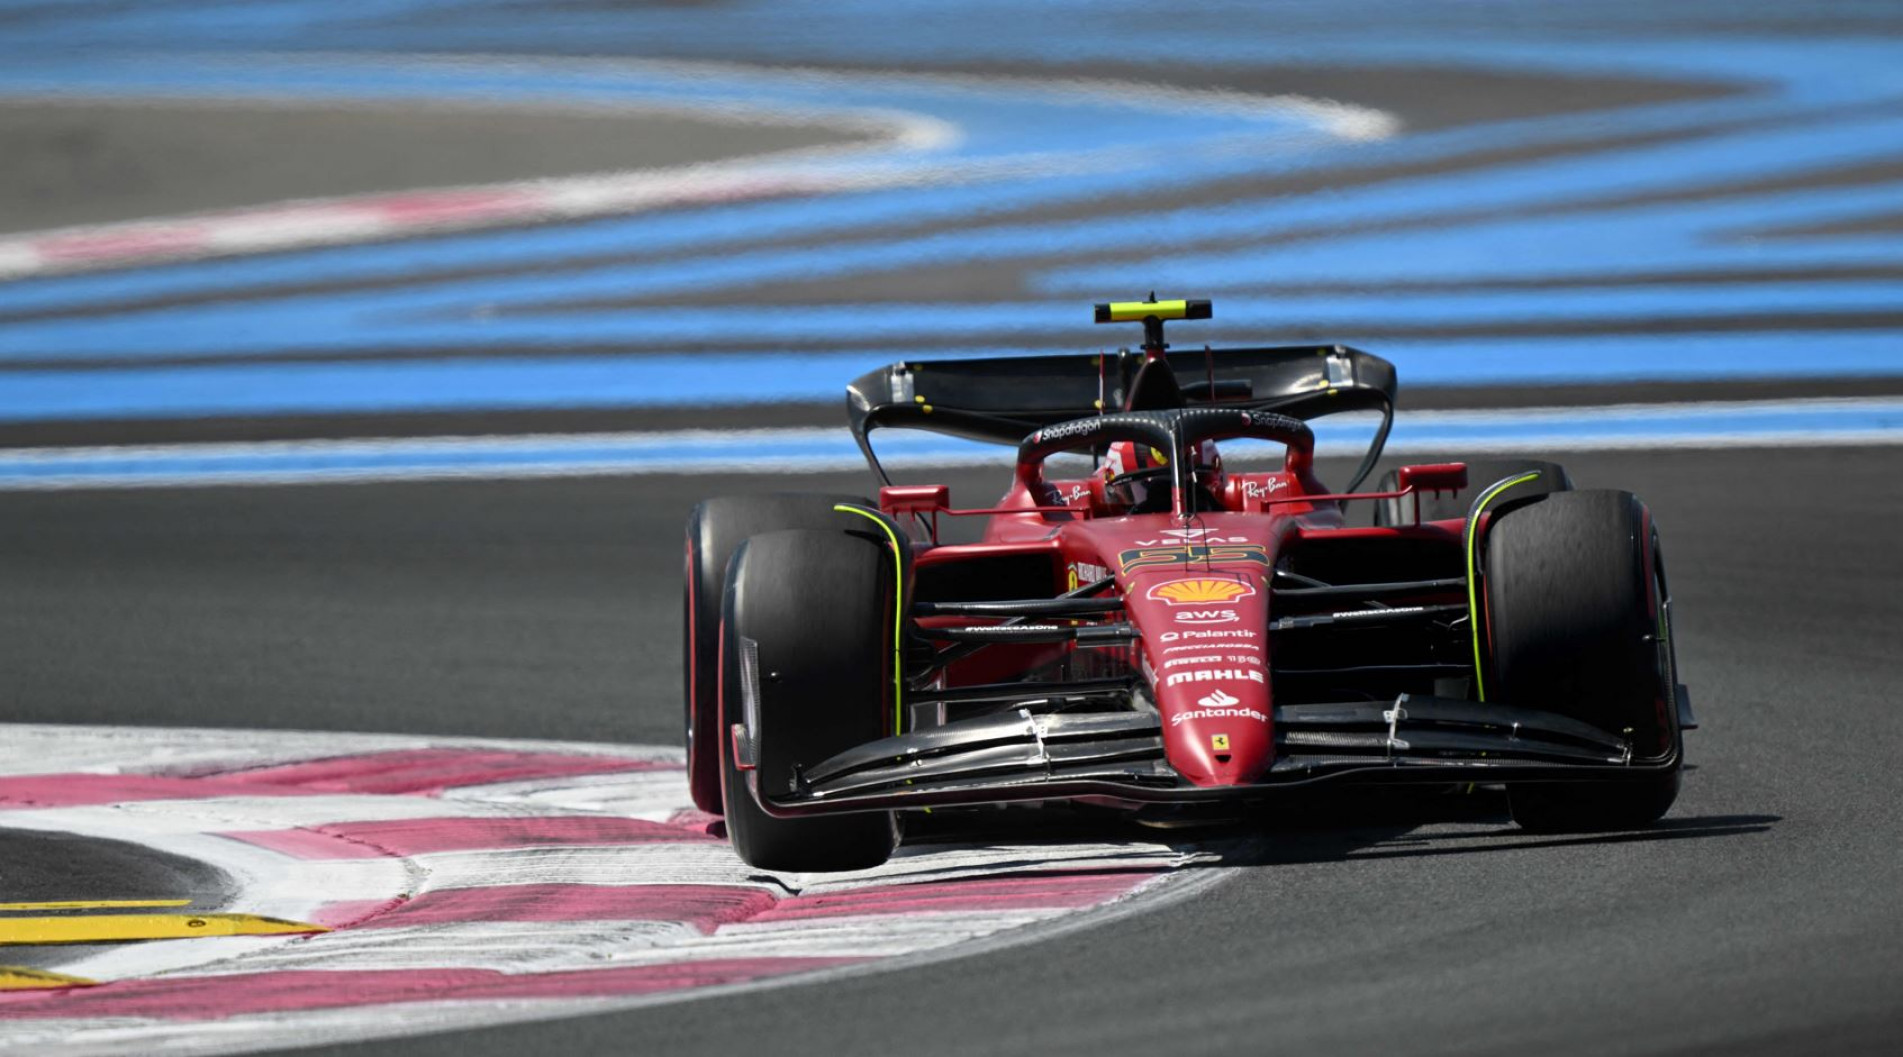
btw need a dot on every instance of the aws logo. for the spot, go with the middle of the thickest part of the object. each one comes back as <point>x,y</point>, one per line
<point>1191,553</point>
<point>1206,616</point>
<point>1200,592</point>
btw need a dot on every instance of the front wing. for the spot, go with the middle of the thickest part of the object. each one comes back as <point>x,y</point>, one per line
<point>1119,756</point>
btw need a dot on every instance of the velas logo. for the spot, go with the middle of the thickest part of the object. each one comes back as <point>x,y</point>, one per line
<point>1200,591</point>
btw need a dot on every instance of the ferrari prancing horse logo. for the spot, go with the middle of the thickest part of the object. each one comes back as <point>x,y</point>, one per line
<point>1219,742</point>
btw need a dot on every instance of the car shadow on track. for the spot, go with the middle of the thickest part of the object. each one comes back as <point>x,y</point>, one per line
<point>1456,823</point>
<point>1369,824</point>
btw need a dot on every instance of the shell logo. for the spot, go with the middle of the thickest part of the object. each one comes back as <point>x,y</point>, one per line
<point>1200,592</point>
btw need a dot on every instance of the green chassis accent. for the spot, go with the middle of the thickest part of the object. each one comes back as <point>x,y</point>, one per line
<point>1473,596</point>
<point>898,616</point>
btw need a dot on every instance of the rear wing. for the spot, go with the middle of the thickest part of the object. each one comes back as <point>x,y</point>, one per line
<point>1001,400</point>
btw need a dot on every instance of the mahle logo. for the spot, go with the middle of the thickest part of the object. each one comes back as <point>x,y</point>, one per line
<point>1200,592</point>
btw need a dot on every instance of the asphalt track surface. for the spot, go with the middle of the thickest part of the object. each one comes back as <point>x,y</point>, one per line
<point>85,161</point>
<point>1759,917</point>
<point>50,867</point>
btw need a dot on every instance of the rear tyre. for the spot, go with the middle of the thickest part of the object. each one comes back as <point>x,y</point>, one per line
<point>714,529</point>
<point>1574,606</point>
<point>1480,474</point>
<point>816,610</point>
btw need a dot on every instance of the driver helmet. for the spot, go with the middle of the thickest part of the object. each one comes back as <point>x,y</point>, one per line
<point>1144,495</point>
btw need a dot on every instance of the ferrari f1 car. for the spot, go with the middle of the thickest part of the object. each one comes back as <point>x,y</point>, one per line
<point>1161,635</point>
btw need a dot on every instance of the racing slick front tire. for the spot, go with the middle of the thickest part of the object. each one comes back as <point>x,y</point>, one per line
<point>811,613</point>
<point>1574,604</point>
<point>1442,506</point>
<point>715,529</point>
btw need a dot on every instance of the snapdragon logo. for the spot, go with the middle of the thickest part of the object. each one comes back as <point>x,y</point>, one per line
<point>1068,429</point>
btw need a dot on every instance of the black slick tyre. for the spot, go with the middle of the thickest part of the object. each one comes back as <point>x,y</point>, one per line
<point>812,613</point>
<point>1575,592</point>
<point>714,530</point>
<point>1481,473</point>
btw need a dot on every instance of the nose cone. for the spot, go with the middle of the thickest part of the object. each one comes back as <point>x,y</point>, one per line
<point>1205,637</point>
<point>1216,728</point>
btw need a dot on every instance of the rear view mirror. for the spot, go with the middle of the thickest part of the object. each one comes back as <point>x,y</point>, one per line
<point>1432,477</point>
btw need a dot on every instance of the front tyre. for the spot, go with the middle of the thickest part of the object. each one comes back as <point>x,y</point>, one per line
<point>1575,607</point>
<point>811,614</point>
<point>715,529</point>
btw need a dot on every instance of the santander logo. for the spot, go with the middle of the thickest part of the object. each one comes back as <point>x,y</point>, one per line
<point>1219,704</point>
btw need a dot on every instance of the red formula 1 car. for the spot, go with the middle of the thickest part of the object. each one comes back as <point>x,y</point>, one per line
<point>1161,635</point>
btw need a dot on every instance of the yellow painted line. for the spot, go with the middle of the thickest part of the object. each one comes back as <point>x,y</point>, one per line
<point>1473,596</point>
<point>17,979</point>
<point>114,928</point>
<point>97,904</point>
<point>898,620</point>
